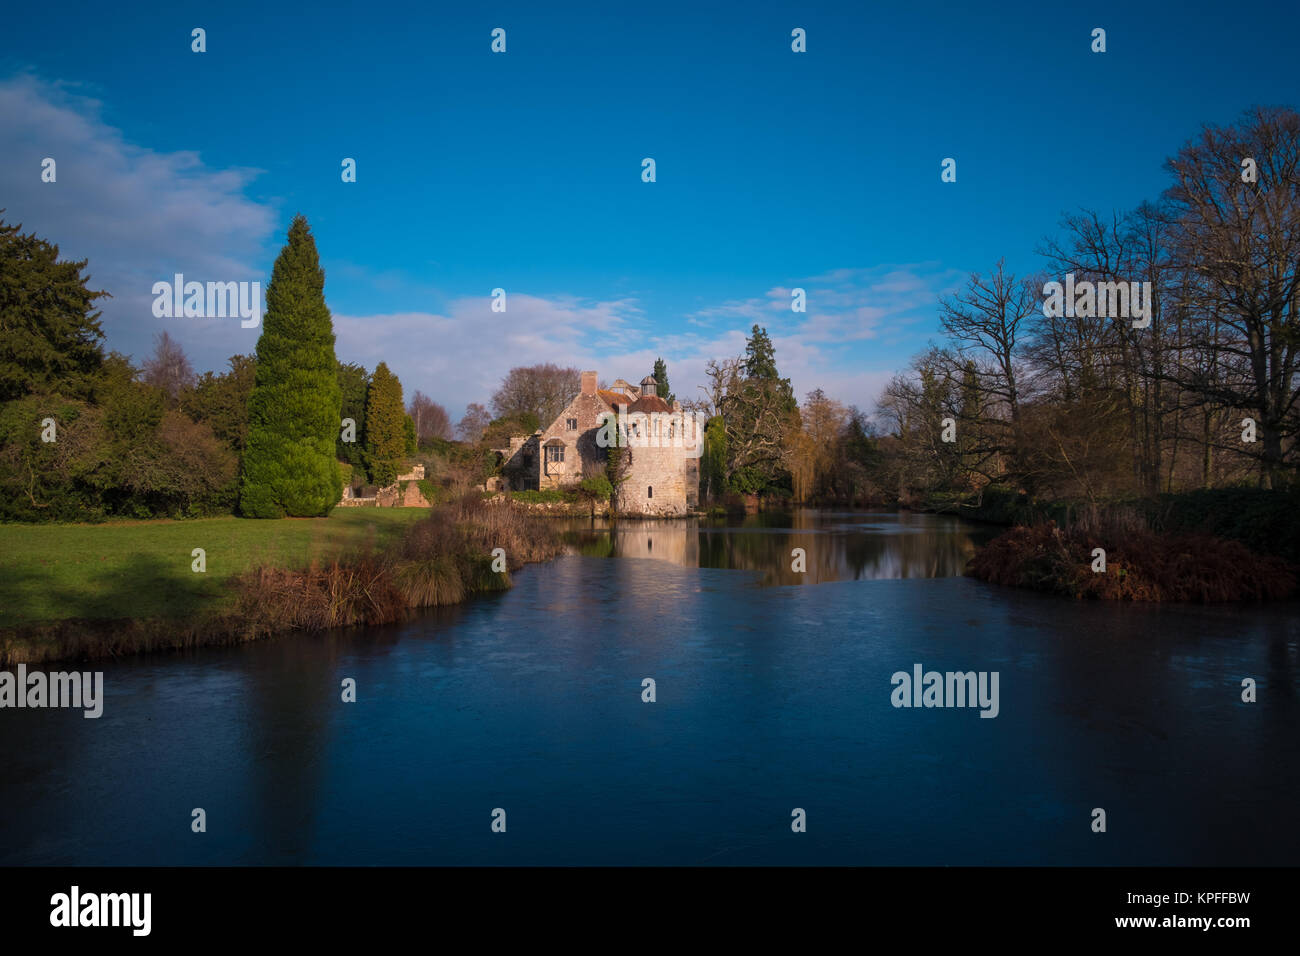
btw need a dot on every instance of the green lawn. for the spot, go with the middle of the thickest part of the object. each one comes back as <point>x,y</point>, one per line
<point>141,569</point>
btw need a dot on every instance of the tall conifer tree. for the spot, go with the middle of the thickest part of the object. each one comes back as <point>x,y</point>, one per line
<point>385,427</point>
<point>289,467</point>
<point>661,379</point>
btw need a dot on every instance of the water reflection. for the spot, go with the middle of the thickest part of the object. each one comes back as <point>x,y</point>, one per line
<point>837,546</point>
<point>768,699</point>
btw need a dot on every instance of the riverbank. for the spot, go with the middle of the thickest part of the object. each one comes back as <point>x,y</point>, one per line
<point>368,567</point>
<point>1214,545</point>
<point>145,569</point>
<point>1135,566</point>
<point>1267,522</point>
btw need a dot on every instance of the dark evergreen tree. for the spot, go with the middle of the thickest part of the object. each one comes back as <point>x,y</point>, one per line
<point>760,411</point>
<point>49,333</point>
<point>408,434</point>
<point>661,380</point>
<point>289,466</point>
<point>760,355</point>
<point>354,381</point>
<point>385,427</point>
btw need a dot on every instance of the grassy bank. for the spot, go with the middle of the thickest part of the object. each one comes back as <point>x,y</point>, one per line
<point>371,570</point>
<point>142,569</point>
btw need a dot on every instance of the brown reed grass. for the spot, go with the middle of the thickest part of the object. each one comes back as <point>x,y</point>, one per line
<point>1140,565</point>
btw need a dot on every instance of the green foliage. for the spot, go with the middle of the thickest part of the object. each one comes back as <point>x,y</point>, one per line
<point>662,388</point>
<point>444,448</point>
<point>434,494</point>
<point>749,480</point>
<point>354,384</point>
<point>386,434</point>
<point>412,444</point>
<point>221,401</point>
<point>501,430</point>
<point>760,355</point>
<point>289,465</point>
<point>49,334</point>
<point>545,496</point>
<point>596,487</point>
<point>761,413</point>
<point>1266,521</point>
<point>152,460</point>
<point>616,463</point>
<point>713,463</point>
<point>52,481</point>
<point>127,454</point>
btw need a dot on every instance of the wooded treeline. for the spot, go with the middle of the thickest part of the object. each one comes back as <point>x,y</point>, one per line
<point>1088,405</point>
<point>86,435</point>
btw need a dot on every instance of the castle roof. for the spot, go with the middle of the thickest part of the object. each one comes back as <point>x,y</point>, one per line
<point>648,404</point>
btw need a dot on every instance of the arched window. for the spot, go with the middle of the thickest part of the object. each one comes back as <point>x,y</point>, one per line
<point>649,491</point>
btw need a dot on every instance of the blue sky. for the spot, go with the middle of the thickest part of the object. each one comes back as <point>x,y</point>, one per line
<point>523,170</point>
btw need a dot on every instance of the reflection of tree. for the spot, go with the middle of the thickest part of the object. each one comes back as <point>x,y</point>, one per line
<point>293,690</point>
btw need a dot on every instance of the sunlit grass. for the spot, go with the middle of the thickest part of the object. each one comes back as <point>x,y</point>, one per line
<point>142,569</point>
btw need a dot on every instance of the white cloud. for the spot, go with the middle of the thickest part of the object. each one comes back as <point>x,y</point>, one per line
<point>138,215</point>
<point>461,356</point>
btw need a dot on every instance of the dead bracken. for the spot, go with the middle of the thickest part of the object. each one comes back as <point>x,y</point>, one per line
<point>1140,566</point>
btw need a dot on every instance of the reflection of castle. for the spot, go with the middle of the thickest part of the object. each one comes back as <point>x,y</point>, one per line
<point>662,475</point>
<point>806,547</point>
<point>676,541</point>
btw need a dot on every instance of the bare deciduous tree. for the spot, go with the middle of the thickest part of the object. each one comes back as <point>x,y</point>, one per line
<point>542,390</point>
<point>168,368</point>
<point>475,420</point>
<point>431,419</point>
<point>1238,239</point>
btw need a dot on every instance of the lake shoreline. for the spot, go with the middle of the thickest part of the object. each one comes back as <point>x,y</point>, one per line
<point>456,551</point>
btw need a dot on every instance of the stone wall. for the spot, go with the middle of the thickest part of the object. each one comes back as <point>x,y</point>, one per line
<point>581,453</point>
<point>393,496</point>
<point>654,483</point>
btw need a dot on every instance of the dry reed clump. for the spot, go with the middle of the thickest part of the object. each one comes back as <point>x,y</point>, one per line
<point>1140,565</point>
<point>441,560</point>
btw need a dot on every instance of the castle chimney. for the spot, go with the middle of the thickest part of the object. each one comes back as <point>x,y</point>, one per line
<point>588,383</point>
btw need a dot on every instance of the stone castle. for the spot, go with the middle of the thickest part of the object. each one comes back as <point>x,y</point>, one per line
<point>661,467</point>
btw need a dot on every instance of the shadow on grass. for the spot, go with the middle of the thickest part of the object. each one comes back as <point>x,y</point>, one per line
<point>144,586</point>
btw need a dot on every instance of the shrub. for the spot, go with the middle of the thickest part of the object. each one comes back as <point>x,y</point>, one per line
<point>596,487</point>
<point>1140,565</point>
